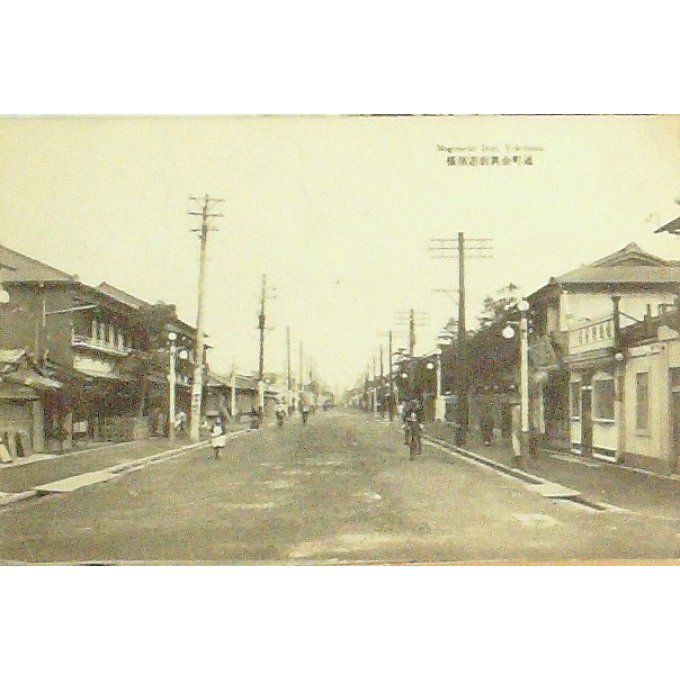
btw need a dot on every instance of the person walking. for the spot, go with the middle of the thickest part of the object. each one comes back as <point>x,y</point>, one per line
<point>486,424</point>
<point>281,412</point>
<point>218,438</point>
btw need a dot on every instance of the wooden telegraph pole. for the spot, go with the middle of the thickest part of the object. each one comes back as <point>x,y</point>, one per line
<point>449,248</point>
<point>389,368</point>
<point>197,384</point>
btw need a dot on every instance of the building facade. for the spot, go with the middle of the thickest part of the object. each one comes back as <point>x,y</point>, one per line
<point>108,351</point>
<point>575,317</point>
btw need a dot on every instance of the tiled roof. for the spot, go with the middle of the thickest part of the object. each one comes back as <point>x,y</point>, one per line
<point>622,274</point>
<point>121,295</point>
<point>137,303</point>
<point>673,227</point>
<point>242,382</point>
<point>17,267</point>
<point>630,264</point>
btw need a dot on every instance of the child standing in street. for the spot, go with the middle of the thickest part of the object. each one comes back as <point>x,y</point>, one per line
<point>218,438</point>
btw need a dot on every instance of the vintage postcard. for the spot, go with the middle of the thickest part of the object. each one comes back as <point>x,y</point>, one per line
<point>340,340</point>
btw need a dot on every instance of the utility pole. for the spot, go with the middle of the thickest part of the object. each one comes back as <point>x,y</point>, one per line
<point>448,249</point>
<point>366,390</point>
<point>261,325</point>
<point>289,384</point>
<point>374,398</point>
<point>197,384</point>
<point>382,383</point>
<point>391,402</point>
<point>461,288</point>
<point>301,369</point>
<point>413,319</point>
<point>233,389</point>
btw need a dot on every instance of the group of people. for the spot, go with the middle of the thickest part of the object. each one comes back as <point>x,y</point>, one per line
<point>282,411</point>
<point>412,417</point>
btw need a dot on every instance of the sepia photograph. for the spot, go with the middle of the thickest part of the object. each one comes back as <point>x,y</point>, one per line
<point>340,340</point>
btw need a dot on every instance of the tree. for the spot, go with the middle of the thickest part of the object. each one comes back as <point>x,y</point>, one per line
<point>495,308</point>
<point>153,357</point>
<point>494,358</point>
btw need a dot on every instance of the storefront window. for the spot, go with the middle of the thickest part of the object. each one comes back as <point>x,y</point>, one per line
<point>603,398</point>
<point>641,401</point>
<point>575,400</point>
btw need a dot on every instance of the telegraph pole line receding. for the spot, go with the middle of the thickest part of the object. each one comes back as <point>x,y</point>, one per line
<point>448,249</point>
<point>197,385</point>
<point>413,319</point>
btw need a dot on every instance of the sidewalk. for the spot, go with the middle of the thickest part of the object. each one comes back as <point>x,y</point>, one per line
<point>597,480</point>
<point>17,478</point>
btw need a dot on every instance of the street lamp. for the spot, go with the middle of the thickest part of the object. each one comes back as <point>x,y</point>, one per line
<point>508,333</point>
<point>172,379</point>
<point>439,402</point>
<point>523,307</point>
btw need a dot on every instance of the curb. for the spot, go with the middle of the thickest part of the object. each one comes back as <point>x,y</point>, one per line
<point>19,496</point>
<point>115,471</point>
<point>531,479</point>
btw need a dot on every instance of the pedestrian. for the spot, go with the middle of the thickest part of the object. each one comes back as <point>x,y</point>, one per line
<point>181,421</point>
<point>218,437</point>
<point>486,424</point>
<point>406,411</point>
<point>414,427</point>
<point>281,412</point>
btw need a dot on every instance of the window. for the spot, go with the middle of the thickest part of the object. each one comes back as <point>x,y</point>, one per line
<point>641,401</point>
<point>675,378</point>
<point>603,398</point>
<point>575,401</point>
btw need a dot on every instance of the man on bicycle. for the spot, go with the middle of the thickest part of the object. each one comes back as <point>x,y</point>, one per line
<point>413,429</point>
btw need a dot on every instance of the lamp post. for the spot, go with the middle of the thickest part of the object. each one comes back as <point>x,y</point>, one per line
<point>508,333</point>
<point>523,307</point>
<point>172,380</point>
<point>439,404</point>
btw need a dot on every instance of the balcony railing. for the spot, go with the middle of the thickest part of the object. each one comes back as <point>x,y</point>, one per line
<point>592,335</point>
<point>87,342</point>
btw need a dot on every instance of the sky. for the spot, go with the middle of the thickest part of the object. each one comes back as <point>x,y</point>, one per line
<point>336,211</point>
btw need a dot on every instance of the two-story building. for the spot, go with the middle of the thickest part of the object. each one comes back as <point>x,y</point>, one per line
<point>105,347</point>
<point>574,372</point>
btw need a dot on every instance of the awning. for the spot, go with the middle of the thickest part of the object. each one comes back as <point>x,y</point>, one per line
<point>30,378</point>
<point>112,377</point>
<point>590,359</point>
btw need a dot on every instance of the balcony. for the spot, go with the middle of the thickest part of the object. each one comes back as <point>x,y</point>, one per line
<point>591,336</point>
<point>87,342</point>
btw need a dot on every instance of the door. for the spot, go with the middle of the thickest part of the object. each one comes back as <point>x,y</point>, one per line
<point>587,420</point>
<point>675,422</point>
